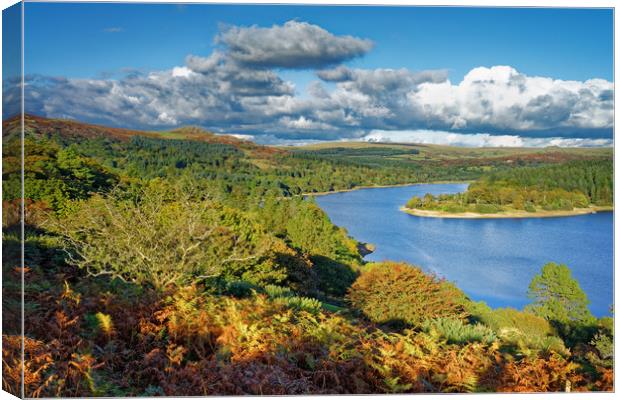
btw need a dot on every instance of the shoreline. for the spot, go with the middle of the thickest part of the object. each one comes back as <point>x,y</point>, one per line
<point>507,214</point>
<point>381,187</point>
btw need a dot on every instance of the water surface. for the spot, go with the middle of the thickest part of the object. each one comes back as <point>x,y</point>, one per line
<point>490,259</point>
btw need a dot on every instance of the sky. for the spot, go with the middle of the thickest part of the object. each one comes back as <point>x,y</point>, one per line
<point>298,74</point>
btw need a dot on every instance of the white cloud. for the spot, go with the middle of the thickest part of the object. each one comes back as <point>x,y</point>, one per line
<point>501,98</point>
<point>182,72</point>
<point>478,139</point>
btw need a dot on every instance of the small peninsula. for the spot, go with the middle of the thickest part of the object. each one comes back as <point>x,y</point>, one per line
<point>508,213</point>
<point>576,188</point>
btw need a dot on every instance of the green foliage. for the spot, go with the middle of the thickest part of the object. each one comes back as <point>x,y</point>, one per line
<point>521,331</point>
<point>400,293</point>
<point>333,254</point>
<point>500,319</point>
<point>308,228</point>
<point>414,202</point>
<point>558,297</point>
<point>239,288</point>
<point>162,241</point>
<point>52,174</point>
<point>590,181</point>
<point>575,184</point>
<point>603,354</point>
<point>285,296</point>
<point>343,152</point>
<point>459,332</point>
<point>274,291</point>
<point>307,304</point>
<point>487,208</point>
<point>517,342</point>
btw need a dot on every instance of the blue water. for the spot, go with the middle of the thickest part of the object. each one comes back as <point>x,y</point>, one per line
<point>490,259</point>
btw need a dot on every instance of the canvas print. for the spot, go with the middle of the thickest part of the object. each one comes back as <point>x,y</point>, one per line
<point>233,199</point>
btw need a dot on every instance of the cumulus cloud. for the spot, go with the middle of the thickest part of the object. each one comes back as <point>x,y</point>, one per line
<point>478,139</point>
<point>237,88</point>
<point>500,98</point>
<point>292,45</point>
<point>11,96</point>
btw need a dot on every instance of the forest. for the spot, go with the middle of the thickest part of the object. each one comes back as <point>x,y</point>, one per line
<point>565,186</point>
<point>158,264</point>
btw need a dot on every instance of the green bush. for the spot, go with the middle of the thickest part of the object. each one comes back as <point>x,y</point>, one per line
<point>456,331</point>
<point>487,208</point>
<point>528,344</point>
<point>239,289</point>
<point>521,330</point>
<point>602,354</point>
<point>399,293</point>
<point>509,319</point>
<point>414,202</point>
<point>274,291</point>
<point>333,278</point>
<point>454,208</point>
<point>159,241</point>
<point>313,306</point>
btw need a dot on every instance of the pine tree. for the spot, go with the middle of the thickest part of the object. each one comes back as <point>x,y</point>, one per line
<point>557,296</point>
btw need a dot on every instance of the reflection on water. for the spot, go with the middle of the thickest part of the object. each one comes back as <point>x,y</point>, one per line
<point>490,259</point>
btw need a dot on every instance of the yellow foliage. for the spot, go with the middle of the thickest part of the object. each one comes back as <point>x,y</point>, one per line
<point>105,323</point>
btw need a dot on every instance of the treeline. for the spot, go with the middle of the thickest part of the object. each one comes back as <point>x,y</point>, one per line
<point>575,184</point>
<point>236,173</point>
<point>592,178</point>
<point>171,267</point>
<point>356,152</point>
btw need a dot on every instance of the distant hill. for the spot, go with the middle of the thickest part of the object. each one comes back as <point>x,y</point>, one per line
<point>456,155</point>
<point>71,129</point>
<point>399,152</point>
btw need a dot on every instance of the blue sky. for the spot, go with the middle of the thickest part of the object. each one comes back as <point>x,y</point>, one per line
<point>561,43</point>
<point>113,56</point>
<point>11,49</point>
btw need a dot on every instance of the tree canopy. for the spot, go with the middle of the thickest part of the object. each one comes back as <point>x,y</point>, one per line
<point>557,296</point>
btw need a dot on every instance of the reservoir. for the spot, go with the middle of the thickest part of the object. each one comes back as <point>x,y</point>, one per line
<point>492,260</point>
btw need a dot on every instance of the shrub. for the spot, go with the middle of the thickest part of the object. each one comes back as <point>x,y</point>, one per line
<point>401,293</point>
<point>313,306</point>
<point>456,331</point>
<point>602,354</point>
<point>274,291</point>
<point>454,208</point>
<point>523,344</point>
<point>239,288</point>
<point>509,318</point>
<point>333,278</point>
<point>158,241</point>
<point>414,202</point>
<point>487,208</point>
